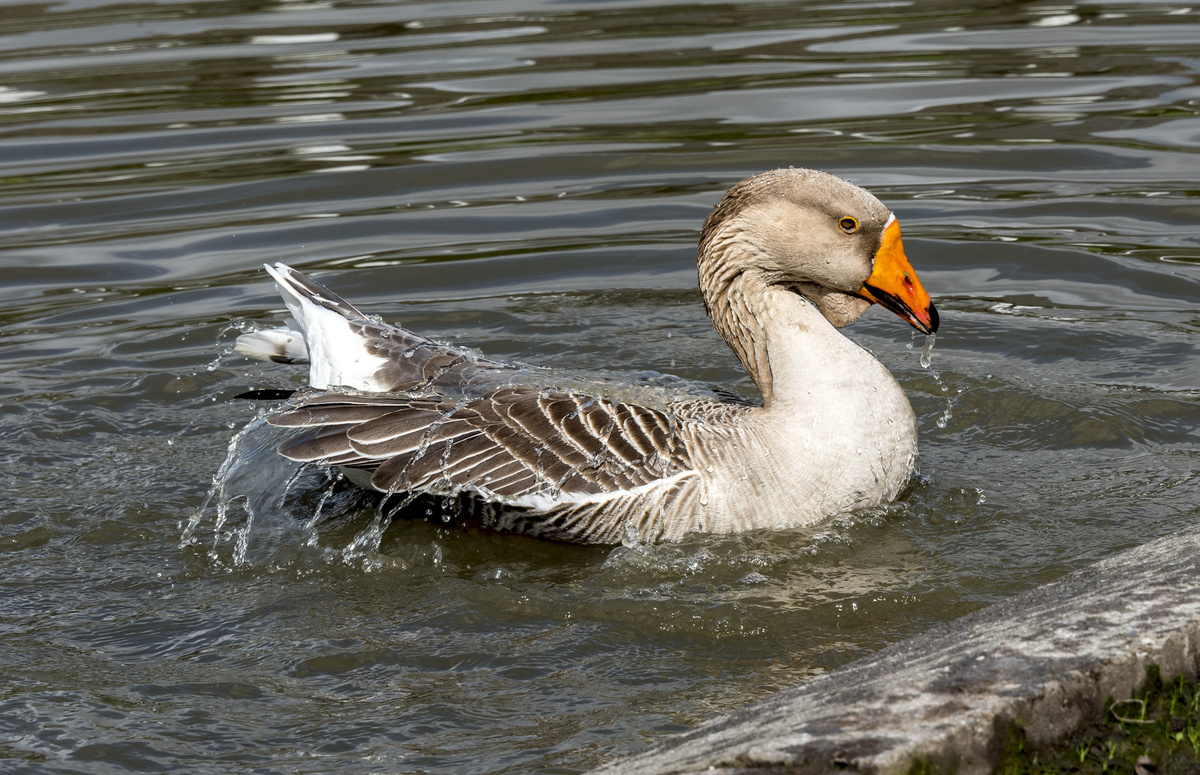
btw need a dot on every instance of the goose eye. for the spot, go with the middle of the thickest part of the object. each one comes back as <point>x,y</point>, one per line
<point>848,224</point>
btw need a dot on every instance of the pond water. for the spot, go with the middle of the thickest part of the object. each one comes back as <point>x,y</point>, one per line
<point>529,177</point>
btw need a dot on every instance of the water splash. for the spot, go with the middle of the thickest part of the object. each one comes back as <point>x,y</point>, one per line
<point>363,550</point>
<point>225,345</point>
<point>234,454</point>
<point>258,501</point>
<point>927,351</point>
<point>927,363</point>
<point>310,527</point>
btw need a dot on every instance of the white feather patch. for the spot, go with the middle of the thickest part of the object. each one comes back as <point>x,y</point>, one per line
<point>540,502</point>
<point>337,353</point>
<point>281,345</point>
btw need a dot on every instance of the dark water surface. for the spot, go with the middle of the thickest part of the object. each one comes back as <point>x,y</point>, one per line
<point>530,177</point>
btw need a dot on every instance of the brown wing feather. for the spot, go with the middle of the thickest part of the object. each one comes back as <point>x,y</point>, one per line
<point>516,441</point>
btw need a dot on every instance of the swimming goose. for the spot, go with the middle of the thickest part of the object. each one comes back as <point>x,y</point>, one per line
<point>785,259</point>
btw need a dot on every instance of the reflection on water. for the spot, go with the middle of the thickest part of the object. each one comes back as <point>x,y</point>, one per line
<point>530,179</point>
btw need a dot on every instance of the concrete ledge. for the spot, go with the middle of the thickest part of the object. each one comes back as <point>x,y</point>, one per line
<point>1045,660</point>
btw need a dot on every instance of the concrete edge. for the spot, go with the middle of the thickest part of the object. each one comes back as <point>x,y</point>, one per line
<point>1044,660</point>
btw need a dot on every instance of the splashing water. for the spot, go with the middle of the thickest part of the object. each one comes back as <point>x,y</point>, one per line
<point>364,548</point>
<point>225,344</point>
<point>262,509</point>
<point>218,493</point>
<point>926,363</point>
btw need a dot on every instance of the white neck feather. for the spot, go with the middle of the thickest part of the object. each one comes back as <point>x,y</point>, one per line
<point>835,432</point>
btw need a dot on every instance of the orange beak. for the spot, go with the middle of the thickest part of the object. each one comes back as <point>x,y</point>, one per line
<point>894,284</point>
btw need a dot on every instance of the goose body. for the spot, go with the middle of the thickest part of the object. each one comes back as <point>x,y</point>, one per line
<point>785,259</point>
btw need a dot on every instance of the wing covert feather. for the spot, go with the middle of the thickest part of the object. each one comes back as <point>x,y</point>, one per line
<point>514,442</point>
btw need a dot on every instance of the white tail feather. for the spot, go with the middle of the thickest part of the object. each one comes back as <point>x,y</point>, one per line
<point>335,349</point>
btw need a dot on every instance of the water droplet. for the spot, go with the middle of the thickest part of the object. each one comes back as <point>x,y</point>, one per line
<point>927,351</point>
<point>410,352</point>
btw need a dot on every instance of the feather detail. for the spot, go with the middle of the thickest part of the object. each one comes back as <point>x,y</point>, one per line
<point>515,443</point>
<point>280,345</point>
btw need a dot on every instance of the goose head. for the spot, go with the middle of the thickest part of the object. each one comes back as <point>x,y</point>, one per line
<point>816,235</point>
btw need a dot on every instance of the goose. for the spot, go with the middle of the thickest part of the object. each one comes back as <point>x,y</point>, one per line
<point>785,259</point>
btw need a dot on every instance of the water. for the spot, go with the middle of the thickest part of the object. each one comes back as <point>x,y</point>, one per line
<point>529,178</point>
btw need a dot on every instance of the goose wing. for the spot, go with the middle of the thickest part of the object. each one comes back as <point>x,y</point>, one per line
<point>518,444</point>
